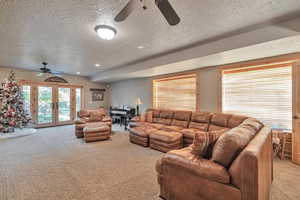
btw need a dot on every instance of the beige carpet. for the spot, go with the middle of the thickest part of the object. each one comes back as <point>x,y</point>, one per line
<point>53,165</point>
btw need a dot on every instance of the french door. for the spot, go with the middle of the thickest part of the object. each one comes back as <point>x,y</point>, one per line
<point>51,104</point>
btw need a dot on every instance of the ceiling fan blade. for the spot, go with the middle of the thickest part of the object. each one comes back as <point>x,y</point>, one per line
<point>168,11</point>
<point>125,12</point>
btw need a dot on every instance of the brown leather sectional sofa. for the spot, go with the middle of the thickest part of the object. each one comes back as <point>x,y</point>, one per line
<point>238,167</point>
<point>186,123</point>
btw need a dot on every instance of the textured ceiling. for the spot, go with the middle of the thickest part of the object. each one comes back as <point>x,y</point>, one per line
<point>62,32</point>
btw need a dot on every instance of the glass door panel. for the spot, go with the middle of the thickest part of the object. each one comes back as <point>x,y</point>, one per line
<point>64,104</point>
<point>45,105</point>
<point>26,91</point>
<point>78,99</point>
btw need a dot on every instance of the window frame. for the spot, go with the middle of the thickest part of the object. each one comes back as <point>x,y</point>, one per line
<point>174,77</point>
<point>259,65</point>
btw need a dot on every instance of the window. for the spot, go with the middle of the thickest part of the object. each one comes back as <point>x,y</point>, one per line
<point>177,93</point>
<point>78,99</point>
<point>26,95</point>
<point>263,92</point>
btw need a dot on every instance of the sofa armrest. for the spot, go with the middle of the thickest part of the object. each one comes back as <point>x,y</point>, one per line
<point>252,171</point>
<point>79,121</point>
<point>107,119</point>
<point>136,119</point>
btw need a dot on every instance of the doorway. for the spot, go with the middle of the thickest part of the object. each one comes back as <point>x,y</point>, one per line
<point>52,104</point>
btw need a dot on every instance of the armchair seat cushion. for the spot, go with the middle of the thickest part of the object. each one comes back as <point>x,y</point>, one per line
<point>195,164</point>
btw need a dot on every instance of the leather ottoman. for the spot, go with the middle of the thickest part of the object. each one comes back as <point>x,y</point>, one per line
<point>93,133</point>
<point>165,140</point>
<point>139,135</point>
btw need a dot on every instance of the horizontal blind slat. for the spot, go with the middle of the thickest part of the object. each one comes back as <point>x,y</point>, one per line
<point>265,94</point>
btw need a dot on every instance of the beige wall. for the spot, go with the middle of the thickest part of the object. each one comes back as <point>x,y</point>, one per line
<point>77,80</point>
<point>126,92</point>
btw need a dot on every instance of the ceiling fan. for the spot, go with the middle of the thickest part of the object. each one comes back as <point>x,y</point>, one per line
<point>163,5</point>
<point>46,70</point>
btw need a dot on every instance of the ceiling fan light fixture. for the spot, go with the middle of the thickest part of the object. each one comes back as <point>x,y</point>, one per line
<point>105,32</point>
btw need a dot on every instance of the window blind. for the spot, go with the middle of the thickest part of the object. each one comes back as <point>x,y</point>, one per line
<point>263,92</point>
<point>177,93</point>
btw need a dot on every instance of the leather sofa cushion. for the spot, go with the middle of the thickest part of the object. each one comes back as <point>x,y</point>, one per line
<point>156,126</point>
<point>199,126</point>
<point>95,116</point>
<point>149,116</point>
<point>220,119</point>
<point>83,113</point>
<point>155,113</point>
<point>172,128</point>
<point>204,141</point>
<point>183,124</point>
<point>165,136</point>
<point>182,115</point>
<point>92,129</point>
<point>230,144</point>
<point>139,124</point>
<point>156,119</point>
<point>164,121</point>
<point>215,128</point>
<point>189,132</point>
<point>201,117</point>
<point>196,165</point>
<point>166,114</point>
<point>139,131</point>
<point>254,123</point>
<point>236,120</point>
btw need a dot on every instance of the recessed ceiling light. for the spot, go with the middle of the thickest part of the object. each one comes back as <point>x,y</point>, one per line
<point>77,73</point>
<point>141,47</point>
<point>106,32</point>
<point>97,65</point>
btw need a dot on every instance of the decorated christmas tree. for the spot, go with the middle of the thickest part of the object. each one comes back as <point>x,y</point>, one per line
<point>12,112</point>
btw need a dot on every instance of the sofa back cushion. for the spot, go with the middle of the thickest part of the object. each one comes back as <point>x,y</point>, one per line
<point>236,120</point>
<point>165,117</point>
<point>200,120</point>
<point>219,121</point>
<point>253,123</point>
<point>155,115</point>
<point>95,116</point>
<point>149,116</point>
<point>181,118</point>
<point>231,143</point>
<point>83,113</point>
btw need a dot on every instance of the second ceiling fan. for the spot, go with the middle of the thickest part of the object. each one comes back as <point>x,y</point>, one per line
<point>163,5</point>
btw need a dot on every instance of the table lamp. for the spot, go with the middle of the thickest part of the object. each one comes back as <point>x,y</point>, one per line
<point>138,102</point>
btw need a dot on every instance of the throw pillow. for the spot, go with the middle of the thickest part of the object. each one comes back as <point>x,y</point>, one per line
<point>203,142</point>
